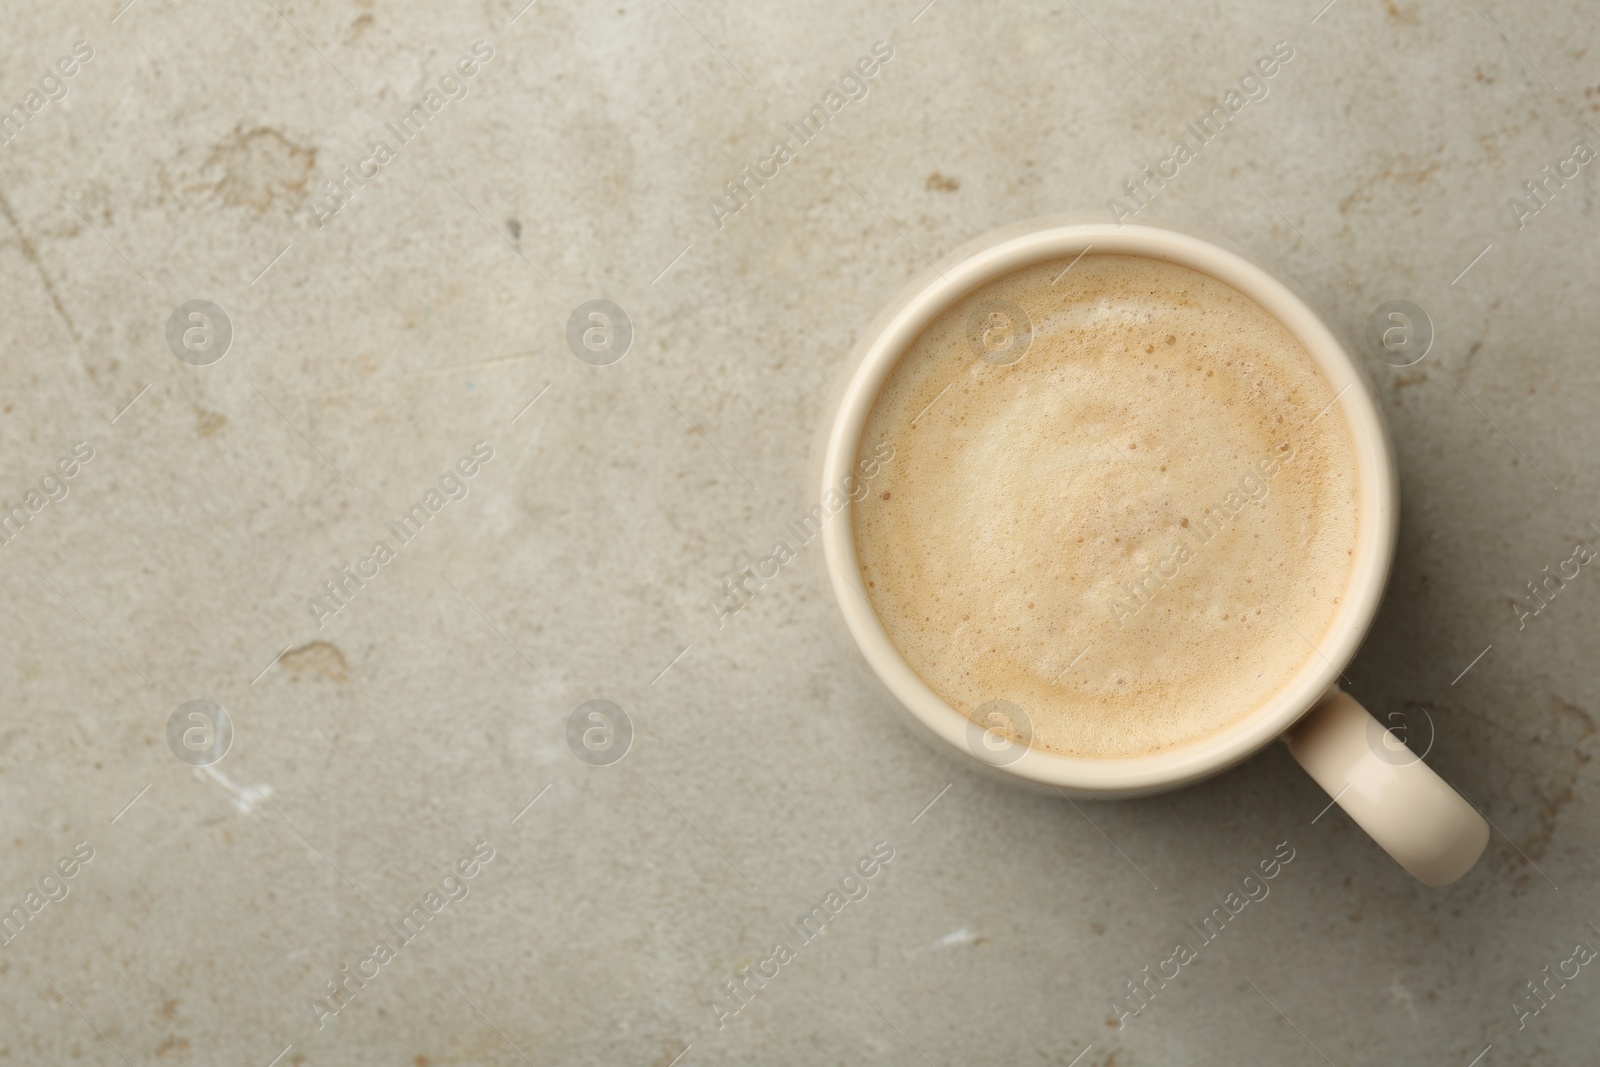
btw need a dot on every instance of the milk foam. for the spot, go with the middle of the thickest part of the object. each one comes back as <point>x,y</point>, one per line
<point>1135,532</point>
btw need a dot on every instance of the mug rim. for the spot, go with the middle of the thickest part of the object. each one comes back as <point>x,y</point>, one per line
<point>1002,252</point>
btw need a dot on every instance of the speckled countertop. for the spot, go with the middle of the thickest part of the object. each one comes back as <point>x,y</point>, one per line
<point>398,768</point>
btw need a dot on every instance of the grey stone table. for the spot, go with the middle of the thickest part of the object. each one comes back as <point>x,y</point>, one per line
<point>392,211</point>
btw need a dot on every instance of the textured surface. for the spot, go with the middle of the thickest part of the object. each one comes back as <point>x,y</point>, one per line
<point>425,715</point>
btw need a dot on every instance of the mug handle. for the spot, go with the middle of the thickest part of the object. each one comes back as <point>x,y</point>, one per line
<point>1410,811</point>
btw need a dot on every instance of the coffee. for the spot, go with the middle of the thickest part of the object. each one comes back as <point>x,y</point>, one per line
<point>1123,500</point>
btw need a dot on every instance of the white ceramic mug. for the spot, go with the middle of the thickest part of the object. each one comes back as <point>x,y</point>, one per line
<point>1408,809</point>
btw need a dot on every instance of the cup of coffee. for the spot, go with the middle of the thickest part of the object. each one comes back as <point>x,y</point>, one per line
<point>1118,508</point>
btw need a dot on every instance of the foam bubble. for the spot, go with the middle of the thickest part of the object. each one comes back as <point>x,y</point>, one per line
<point>1150,482</point>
